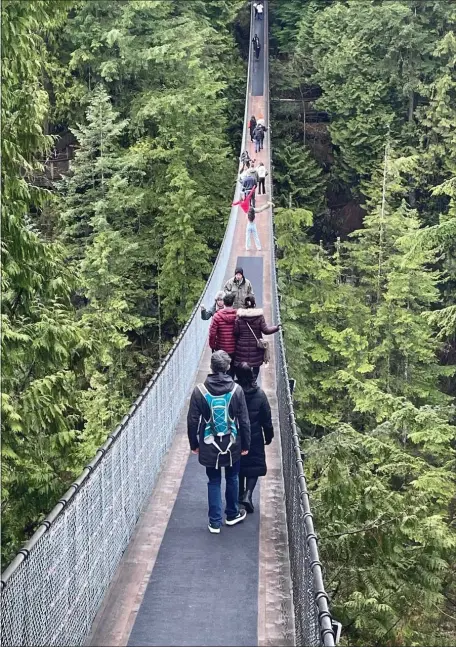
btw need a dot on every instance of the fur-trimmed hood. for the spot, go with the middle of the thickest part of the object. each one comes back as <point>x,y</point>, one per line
<point>250,312</point>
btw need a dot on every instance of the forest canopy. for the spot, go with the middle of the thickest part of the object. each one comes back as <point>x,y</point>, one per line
<point>363,101</point>
<point>118,100</point>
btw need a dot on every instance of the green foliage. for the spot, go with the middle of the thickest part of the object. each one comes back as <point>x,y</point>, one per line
<point>298,177</point>
<point>381,464</point>
<point>99,275</point>
<point>41,343</point>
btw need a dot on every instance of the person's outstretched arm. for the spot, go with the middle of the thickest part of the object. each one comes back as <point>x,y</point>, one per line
<point>268,330</point>
<point>264,207</point>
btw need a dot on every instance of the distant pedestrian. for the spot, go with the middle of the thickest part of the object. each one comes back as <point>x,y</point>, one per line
<point>261,172</point>
<point>218,305</point>
<point>259,11</point>
<point>248,330</point>
<point>252,124</point>
<point>245,160</point>
<point>258,136</point>
<point>256,46</point>
<point>221,332</point>
<point>218,431</point>
<point>253,465</point>
<point>240,287</point>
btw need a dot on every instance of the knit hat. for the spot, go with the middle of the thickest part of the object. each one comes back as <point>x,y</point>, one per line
<point>239,270</point>
<point>219,295</point>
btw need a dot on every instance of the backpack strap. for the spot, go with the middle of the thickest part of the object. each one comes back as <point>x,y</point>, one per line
<point>202,389</point>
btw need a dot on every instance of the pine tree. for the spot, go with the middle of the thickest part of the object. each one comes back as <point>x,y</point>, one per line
<point>298,178</point>
<point>41,342</point>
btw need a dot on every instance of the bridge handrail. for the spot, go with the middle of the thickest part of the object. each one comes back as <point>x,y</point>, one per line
<point>33,585</point>
<point>313,623</point>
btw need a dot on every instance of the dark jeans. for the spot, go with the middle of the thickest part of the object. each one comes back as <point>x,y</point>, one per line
<point>261,182</point>
<point>214,493</point>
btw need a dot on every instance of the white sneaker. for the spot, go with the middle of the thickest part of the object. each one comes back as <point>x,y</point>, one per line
<point>213,529</point>
<point>241,515</point>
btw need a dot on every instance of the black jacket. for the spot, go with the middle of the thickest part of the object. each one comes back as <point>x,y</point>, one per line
<point>262,432</point>
<point>198,412</point>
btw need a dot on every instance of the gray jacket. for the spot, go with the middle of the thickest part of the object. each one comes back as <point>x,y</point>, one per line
<point>240,290</point>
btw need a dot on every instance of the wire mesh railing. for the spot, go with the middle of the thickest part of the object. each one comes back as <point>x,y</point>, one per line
<point>313,623</point>
<point>53,588</point>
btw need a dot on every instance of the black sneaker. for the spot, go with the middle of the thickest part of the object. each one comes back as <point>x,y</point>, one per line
<point>214,529</point>
<point>241,515</point>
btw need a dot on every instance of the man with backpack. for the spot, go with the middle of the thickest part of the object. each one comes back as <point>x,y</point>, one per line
<point>258,135</point>
<point>218,429</point>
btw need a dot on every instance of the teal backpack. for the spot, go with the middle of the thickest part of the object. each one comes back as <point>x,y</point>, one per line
<point>220,423</point>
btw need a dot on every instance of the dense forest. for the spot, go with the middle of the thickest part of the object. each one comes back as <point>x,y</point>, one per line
<point>146,98</point>
<point>121,126</point>
<point>363,103</point>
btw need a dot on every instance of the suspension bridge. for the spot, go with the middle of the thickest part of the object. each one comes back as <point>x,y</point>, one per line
<point>125,557</point>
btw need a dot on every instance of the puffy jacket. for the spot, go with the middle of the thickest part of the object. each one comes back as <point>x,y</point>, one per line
<point>246,344</point>
<point>241,290</point>
<point>199,412</point>
<point>261,431</point>
<point>221,335</point>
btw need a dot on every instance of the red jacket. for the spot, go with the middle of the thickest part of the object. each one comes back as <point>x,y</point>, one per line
<point>221,335</point>
<point>245,203</point>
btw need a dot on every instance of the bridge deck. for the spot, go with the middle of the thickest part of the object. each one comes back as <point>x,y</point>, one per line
<point>177,584</point>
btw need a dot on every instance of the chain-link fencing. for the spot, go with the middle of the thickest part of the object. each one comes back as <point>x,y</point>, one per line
<point>53,588</point>
<point>313,624</point>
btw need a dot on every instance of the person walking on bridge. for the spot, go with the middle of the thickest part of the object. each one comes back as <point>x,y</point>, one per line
<point>258,136</point>
<point>256,46</point>
<point>218,431</point>
<point>259,11</point>
<point>221,331</point>
<point>249,328</point>
<point>252,125</point>
<point>240,287</point>
<point>253,465</point>
<point>261,172</point>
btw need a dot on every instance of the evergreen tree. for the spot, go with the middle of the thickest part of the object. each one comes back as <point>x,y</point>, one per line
<point>298,177</point>
<point>41,342</point>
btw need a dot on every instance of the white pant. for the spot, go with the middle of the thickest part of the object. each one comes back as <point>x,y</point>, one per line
<point>251,229</point>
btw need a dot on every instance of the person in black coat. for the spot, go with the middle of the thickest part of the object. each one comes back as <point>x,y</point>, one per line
<point>214,450</point>
<point>253,464</point>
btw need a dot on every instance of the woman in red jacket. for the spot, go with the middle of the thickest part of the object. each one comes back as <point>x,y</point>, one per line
<point>248,328</point>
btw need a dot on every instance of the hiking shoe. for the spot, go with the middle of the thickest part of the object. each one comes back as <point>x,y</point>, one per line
<point>214,529</point>
<point>241,515</point>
